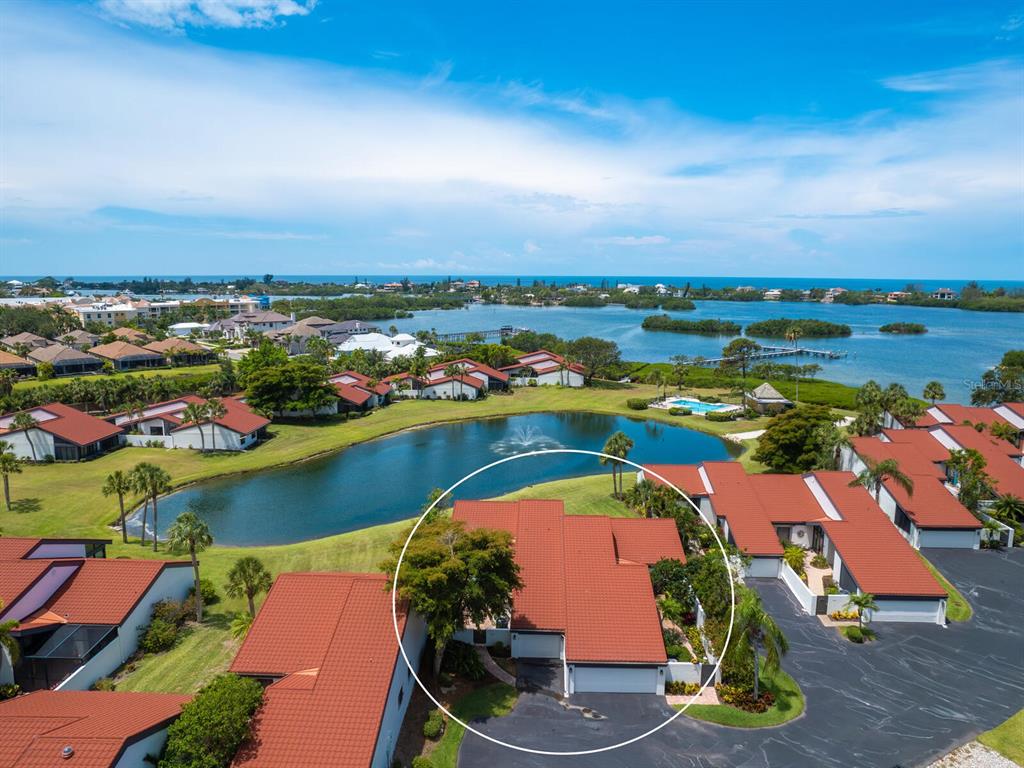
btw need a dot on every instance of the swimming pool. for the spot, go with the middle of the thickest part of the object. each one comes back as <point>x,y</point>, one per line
<point>696,406</point>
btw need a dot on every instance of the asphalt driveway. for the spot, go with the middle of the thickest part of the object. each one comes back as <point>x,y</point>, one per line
<point>900,702</point>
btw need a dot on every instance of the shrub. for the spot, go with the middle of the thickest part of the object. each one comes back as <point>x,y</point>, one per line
<point>679,688</point>
<point>500,651</point>
<point>742,698</point>
<point>794,557</point>
<point>694,636</point>
<point>853,634</point>
<point>434,727</point>
<point>461,659</point>
<point>44,371</point>
<point>213,725</point>
<point>679,410</point>
<point>422,762</point>
<point>103,684</point>
<point>710,399</point>
<point>721,415</point>
<point>9,691</point>
<point>637,404</point>
<point>171,611</point>
<point>444,680</point>
<point>209,591</point>
<point>158,637</point>
<point>819,561</point>
<point>844,615</point>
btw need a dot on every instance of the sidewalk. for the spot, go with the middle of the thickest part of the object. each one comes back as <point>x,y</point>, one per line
<point>492,666</point>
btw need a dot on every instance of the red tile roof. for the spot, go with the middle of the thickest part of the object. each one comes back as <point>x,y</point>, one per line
<point>332,634</point>
<point>575,579</point>
<point>16,547</point>
<point>352,394</point>
<point>9,360</point>
<point>16,576</point>
<point>685,477</point>
<point>931,505</point>
<point>360,389</point>
<point>786,498</point>
<point>735,500</point>
<point>119,350</point>
<point>922,440</point>
<point>543,361</point>
<point>471,381</point>
<point>97,725</point>
<point>71,424</point>
<point>877,556</point>
<point>472,365</point>
<point>239,417</point>
<point>910,458</point>
<point>1006,473</point>
<point>960,414</point>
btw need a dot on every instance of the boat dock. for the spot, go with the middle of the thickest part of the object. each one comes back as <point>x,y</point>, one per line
<point>769,353</point>
<point>498,333</point>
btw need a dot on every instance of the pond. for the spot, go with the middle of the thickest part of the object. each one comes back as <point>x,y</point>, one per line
<point>388,479</point>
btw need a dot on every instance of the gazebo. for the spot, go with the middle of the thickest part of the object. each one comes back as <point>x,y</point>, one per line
<point>766,399</point>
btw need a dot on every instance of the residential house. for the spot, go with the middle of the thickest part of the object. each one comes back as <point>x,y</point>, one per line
<point>126,356</point>
<point>78,614</point>
<point>894,297</point>
<point>488,376</point>
<point>187,328</point>
<point>766,399</point>
<point>405,385</point>
<point>131,335</point>
<point>357,392</point>
<point>585,581</point>
<point>60,431</point>
<point>239,326</point>
<point>542,368</point>
<point>462,387</point>
<point>337,685</point>
<point>19,365</point>
<point>110,314</point>
<point>98,729</point>
<point>26,339</point>
<point>181,351</point>
<point>1010,414</point>
<point>239,428</point>
<point>391,347</point>
<point>80,339</point>
<point>772,294</point>
<point>294,338</point>
<point>944,294</point>
<point>65,360</point>
<point>822,513</point>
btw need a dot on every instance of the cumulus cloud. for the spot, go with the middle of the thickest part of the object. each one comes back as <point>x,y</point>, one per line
<point>177,14</point>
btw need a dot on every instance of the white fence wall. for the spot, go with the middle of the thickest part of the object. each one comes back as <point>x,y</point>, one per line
<point>682,672</point>
<point>800,591</point>
<point>1006,531</point>
<point>837,603</point>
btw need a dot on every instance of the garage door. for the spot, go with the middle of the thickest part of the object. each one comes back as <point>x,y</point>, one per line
<point>614,679</point>
<point>925,611</point>
<point>536,645</point>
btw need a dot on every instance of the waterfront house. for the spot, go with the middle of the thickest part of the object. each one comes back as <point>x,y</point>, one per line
<point>181,351</point>
<point>821,513</point>
<point>187,328</point>
<point>766,399</point>
<point>337,687</point>
<point>772,294</point>
<point>944,294</point>
<point>78,614</point>
<point>544,368</point>
<point>488,376</point>
<point>239,428</point>
<point>1009,414</point>
<point>19,365</point>
<point>95,729</point>
<point>391,347</point>
<point>26,339</point>
<point>405,385</point>
<point>462,387</point>
<point>357,392</point>
<point>586,608</point>
<point>61,432</point>
<point>125,356</point>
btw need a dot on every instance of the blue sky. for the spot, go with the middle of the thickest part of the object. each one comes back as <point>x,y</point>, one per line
<point>672,138</point>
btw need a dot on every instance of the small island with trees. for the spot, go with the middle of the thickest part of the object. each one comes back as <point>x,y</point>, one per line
<point>782,327</point>
<point>903,328</point>
<point>707,327</point>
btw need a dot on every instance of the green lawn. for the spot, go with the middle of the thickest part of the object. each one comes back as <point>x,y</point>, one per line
<point>789,703</point>
<point>490,701</point>
<point>589,495</point>
<point>204,652</point>
<point>1007,739</point>
<point>184,370</point>
<point>957,607</point>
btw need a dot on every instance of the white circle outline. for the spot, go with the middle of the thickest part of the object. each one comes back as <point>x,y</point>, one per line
<point>545,752</point>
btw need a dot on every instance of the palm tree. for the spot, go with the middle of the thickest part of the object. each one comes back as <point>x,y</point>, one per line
<point>7,378</point>
<point>618,445</point>
<point>563,366</point>
<point>190,532</point>
<point>933,391</point>
<point>137,478</point>
<point>878,472</point>
<point>247,578</point>
<point>1003,431</point>
<point>754,629</point>
<point>1008,508</point>
<point>862,601</point>
<point>25,421</point>
<point>7,641</point>
<point>195,413</point>
<point>454,371</point>
<point>156,482</point>
<point>9,465</point>
<point>240,625</point>
<point>214,410</point>
<point>793,334</point>
<point>118,484</point>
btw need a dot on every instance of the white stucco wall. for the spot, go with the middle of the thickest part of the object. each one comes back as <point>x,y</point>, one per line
<point>6,668</point>
<point>19,441</point>
<point>537,645</point>
<point>448,390</point>
<point>174,583</point>
<point>134,755</point>
<point>682,672</point>
<point>399,693</point>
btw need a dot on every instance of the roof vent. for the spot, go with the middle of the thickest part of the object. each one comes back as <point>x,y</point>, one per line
<point>67,753</point>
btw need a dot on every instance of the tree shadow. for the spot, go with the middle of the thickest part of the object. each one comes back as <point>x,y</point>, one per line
<point>23,506</point>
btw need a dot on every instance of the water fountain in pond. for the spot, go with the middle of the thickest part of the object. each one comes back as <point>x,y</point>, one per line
<point>523,440</point>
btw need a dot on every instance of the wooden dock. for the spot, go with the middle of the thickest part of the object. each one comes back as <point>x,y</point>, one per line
<point>497,333</point>
<point>771,353</point>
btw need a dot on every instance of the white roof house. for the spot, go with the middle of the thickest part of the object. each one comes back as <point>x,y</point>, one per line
<point>399,345</point>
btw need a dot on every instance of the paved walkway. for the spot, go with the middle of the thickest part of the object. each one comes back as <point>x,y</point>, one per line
<point>973,755</point>
<point>492,666</point>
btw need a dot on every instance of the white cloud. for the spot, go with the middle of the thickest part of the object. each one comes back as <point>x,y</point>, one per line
<point>428,265</point>
<point>530,247</point>
<point>633,240</point>
<point>176,14</point>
